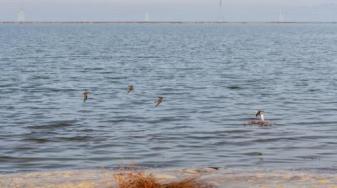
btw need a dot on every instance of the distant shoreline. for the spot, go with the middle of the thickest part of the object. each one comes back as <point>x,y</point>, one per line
<point>159,22</point>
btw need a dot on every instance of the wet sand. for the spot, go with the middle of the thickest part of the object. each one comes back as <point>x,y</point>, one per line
<point>222,178</point>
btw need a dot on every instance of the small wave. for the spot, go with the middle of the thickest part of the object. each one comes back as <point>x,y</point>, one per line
<point>74,138</point>
<point>148,57</point>
<point>234,87</point>
<point>253,154</point>
<point>37,140</point>
<point>53,125</point>
<point>294,138</point>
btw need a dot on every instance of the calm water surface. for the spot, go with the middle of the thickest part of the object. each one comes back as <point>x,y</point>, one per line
<point>213,77</point>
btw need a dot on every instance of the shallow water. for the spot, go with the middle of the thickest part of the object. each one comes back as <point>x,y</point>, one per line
<point>213,77</point>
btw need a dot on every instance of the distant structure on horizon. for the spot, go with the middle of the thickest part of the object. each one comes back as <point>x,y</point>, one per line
<point>147,17</point>
<point>20,17</point>
<point>220,11</point>
<point>280,17</point>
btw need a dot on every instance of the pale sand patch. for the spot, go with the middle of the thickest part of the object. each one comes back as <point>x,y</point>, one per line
<point>220,178</point>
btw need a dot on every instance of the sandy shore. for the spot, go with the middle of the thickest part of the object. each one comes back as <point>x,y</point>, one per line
<point>219,178</point>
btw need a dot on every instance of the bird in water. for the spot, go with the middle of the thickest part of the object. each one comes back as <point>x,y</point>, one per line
<point>259,115</point>
<point>259,120</point>
<point>130,88</point>
<point>85,95</point>
<point>159,100</point>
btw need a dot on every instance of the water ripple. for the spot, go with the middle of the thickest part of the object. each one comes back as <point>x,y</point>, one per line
<point>213,77</point>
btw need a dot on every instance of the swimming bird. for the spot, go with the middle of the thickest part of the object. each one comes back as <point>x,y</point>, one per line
<point>85,95</point>
<point>159,100</point>
<point>259,115</point>
<point>130,88</point>
<point>259,120</point>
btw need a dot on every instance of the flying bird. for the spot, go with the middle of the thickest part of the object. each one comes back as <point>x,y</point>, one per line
<point>85,95</point>
<point>130,88</point>
<point>159,100</point>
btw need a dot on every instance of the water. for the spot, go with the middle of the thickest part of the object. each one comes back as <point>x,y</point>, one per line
<point>213,77</point>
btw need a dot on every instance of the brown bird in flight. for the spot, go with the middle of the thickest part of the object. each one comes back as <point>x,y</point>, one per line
<point>159,100</point>
<point>85,95</point>
<point>130,88</point>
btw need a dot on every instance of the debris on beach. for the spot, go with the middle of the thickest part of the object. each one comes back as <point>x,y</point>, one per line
<point>144,180</point>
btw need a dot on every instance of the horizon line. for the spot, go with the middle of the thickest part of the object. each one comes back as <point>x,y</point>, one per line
<point>153,22</point>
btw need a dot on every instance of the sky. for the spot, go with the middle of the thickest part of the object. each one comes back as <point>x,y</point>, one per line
<point>168,10</point>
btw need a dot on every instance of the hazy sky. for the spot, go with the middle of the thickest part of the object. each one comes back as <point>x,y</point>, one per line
<point>169,10</point>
